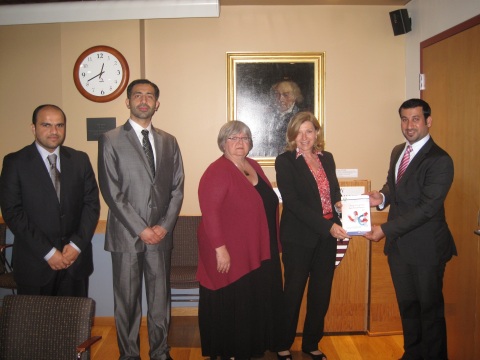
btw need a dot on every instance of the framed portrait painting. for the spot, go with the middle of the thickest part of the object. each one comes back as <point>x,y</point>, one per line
<point>265,90</point>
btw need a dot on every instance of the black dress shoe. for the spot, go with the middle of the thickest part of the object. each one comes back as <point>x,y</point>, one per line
<point>320,356</point>
<point>284,357</point>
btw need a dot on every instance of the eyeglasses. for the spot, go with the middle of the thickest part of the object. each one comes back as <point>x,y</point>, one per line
<point>236,138</point>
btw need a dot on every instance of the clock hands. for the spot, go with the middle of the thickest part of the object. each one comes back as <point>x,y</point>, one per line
<point>98,75</point>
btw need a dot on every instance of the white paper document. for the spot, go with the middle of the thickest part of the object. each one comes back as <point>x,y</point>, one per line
<point>356,214</point>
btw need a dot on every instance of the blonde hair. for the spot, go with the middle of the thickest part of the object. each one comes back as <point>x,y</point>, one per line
<point>294,126</point>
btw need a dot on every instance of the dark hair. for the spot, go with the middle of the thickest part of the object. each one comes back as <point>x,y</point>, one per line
<point>142,81</point>
<point>294,126</point>
<point>40,107</point>
<point>413,103</point>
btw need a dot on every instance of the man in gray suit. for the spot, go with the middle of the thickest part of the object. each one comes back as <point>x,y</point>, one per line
<point>141,179</point>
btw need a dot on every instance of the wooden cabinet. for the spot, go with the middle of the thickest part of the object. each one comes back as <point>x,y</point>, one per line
<point>384,316</point>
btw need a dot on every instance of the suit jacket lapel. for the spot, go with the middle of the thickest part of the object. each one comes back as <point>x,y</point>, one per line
<point>397,151</point>
<point>38,167</point>
<point>303,169</point>
<point>417,160</point>
<point>66,172</point>
<point>133,139</point>
<point>157,138</point>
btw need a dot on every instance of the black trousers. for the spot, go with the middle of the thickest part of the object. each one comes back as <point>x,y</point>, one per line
<point>316,265</point>
<point>62,284</point>
<point>420,300</point>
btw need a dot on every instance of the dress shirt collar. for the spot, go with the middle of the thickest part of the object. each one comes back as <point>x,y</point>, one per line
<point>416,146</point>
<point>44,154</point>
<point>300,153</point>
<point>138,129</point>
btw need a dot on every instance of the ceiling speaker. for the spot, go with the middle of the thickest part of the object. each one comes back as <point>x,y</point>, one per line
<point>401,22</point>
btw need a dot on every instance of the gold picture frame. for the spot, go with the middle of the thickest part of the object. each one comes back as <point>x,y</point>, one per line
<point>252,80</point>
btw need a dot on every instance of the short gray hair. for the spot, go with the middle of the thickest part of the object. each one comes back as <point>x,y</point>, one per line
<point>231,128</point>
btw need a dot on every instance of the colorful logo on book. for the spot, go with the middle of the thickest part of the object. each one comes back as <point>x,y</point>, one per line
<point>361,219</point>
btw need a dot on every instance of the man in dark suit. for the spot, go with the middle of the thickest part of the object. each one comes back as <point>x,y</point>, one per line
<point>52,208</point>
<point>418,240</point>
<point>141,178</point>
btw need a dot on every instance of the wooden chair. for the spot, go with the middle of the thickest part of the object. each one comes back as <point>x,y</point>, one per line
<point>6,270</point>
<point>46,327</point>
<point>185,258</point>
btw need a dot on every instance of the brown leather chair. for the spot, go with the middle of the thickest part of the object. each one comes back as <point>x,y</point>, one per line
<point>6,270</point>
<point>185,258</point>
<point>46,327</point>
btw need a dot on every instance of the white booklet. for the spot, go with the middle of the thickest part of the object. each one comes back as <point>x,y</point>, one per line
<point>356,214</point>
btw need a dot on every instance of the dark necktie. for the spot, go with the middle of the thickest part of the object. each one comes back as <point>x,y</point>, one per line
<point>54,173</point>
<point>147,147</point>
<point>404,163</point>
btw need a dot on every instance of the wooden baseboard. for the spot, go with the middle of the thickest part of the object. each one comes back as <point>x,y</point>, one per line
<point>384,333</point>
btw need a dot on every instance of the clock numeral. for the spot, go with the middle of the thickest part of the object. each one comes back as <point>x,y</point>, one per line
<point>98,73</point>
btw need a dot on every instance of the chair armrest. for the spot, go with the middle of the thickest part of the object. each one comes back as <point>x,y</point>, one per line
<point>86,345</point>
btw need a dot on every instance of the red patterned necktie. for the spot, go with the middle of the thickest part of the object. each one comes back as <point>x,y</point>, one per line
<point>404,163</point>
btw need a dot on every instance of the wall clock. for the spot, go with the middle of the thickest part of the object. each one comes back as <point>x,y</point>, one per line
<point>101,73</point>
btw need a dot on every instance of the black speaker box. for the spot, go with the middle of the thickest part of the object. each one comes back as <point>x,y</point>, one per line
<point>401,23</point>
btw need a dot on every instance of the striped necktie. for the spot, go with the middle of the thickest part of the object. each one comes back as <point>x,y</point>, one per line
<point>147,147</point>
<point>404,163</point>
<point>54,173</point>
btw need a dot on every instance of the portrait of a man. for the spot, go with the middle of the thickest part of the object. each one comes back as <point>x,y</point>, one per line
<point>266,94</point>
<point>286,101</point>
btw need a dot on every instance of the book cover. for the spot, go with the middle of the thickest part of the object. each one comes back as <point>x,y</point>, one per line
<point>356,214</point>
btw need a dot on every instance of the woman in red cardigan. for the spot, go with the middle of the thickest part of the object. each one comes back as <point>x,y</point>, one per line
<point>238,267</point>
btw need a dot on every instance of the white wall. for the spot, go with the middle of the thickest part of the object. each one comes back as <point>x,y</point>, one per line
<point>429,18</point>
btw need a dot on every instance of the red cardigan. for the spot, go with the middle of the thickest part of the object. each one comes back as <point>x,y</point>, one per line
<point>232,215</point>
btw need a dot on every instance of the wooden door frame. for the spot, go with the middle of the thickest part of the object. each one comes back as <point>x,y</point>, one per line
<point>474,22</point>
<point>445,35</point>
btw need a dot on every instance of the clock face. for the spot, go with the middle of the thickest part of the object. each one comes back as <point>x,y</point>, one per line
<point>101,74</point>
